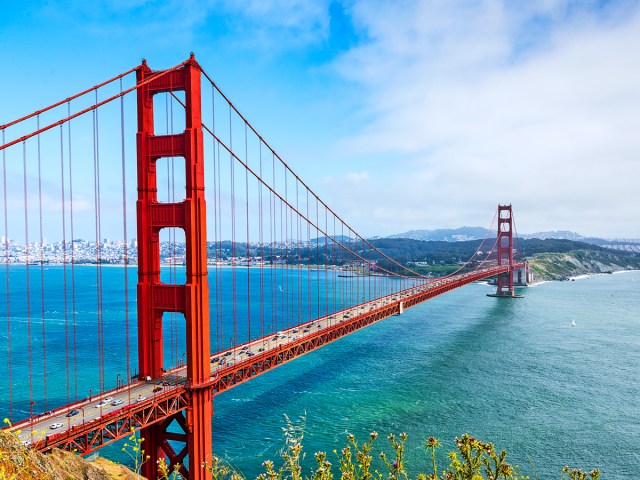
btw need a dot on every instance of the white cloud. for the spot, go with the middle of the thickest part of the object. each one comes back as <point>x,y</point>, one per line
<point>472,118</point>
<point>278,24</point>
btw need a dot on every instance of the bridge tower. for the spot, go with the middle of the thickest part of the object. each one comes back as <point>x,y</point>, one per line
<point>505,251</point>
<point>155,297</point>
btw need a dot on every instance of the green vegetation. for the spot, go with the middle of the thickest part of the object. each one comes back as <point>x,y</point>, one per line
<point>472,459</point>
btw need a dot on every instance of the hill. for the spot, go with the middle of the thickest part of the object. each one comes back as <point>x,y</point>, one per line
<point>550,259</point>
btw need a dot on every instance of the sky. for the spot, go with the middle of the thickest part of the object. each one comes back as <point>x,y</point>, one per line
<point>400,114</point>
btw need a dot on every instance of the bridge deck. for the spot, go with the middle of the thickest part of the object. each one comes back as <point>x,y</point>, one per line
<point>111,416</point>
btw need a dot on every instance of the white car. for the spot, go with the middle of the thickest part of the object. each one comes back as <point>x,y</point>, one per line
<point>117,402</point>
<point>104,401</point>
<point>140,398</point>
<point>55,425</point>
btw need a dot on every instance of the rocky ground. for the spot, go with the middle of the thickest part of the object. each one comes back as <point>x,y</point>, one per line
<point>18,462</point>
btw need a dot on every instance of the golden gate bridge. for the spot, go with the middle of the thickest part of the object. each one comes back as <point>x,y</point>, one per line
<point>250,252</point>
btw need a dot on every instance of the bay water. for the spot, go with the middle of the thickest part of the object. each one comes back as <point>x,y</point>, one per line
<point>514,372</point>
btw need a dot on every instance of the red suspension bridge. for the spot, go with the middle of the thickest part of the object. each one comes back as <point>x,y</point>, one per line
<point>229,244</point>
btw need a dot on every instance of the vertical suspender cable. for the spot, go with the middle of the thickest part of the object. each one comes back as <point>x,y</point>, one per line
<point>125,251</point>
<point>246,188</point>
<point>318,257</point>
<point>342,265</point>
<point>299,257</point>
<point>272,238</point>
<point>100,313</point>
<point>215,218</point>
<point>261,240</point>
<point>308,260</point>
<point>96,166</point>
<point>220,280</point>
<point>234,293</point>
<point>277,212</point>
<point>286,304</point>
<point>64,266</point>
<point>6,270</point>
<point>97,244</point>
<point>42,308</point>
<point>326,263</point>
<point>28,286</point>
<point>74,313</point>
<point>281,245</point>
<point>217,208</point>
<point>334,262</point>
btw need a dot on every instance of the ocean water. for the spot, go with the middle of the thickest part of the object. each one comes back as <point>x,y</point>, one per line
<point>514,372</point>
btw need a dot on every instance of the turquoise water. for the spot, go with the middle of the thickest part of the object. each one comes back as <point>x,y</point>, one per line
<point>513,372</point>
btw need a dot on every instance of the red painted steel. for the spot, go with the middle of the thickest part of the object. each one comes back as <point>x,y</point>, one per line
<point>505,250</point>
<point>154,297</point>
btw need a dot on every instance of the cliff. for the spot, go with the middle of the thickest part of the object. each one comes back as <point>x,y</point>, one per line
<point>561,266</point>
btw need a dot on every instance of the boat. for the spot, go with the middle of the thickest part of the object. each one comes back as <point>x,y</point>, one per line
<point>573,323</point>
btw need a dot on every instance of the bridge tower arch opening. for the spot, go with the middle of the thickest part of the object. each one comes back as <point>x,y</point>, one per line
<point>155,297</point>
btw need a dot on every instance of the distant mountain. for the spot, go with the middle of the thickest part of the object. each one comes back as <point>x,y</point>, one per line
<point>444,234</point>
<point>558,234</point>
<point>630,245</point>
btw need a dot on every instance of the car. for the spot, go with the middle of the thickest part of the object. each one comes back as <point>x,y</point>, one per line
<point>140,398</point>
<point>214,359</point>
<point>157,389</point>
<point>164,383</point>
<point>245,348</point>
<point>117,401</point>
<point>228,353</point>
<point>53,426</point>
<point>73,413</point>
<point>261,349</point>
<point>104,401</point>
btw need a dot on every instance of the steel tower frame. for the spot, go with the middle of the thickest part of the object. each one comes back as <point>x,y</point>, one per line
<point>505,250</point>
<point>154,297</point>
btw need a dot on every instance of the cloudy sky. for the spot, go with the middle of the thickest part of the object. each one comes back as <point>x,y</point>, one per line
<point>399,114</point>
